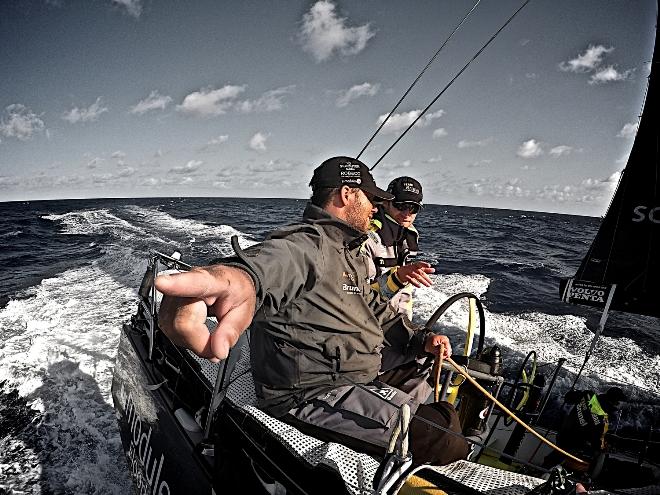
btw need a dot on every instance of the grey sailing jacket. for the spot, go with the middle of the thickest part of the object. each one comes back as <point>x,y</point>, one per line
<point>386,253</point>
<point>318,323</point>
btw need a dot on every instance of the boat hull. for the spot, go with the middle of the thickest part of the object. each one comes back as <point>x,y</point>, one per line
<point>164,456</point>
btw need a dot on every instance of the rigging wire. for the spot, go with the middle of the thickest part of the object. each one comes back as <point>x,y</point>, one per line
<point>451,82</point>
<point>419,76</point>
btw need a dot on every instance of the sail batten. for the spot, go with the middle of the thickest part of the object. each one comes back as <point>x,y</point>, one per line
<point>626,249</point>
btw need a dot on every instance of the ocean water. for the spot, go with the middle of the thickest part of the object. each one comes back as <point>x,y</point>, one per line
<point>70,271</point>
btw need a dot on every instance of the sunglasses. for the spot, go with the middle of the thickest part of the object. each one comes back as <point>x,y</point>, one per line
<point>402,206</point>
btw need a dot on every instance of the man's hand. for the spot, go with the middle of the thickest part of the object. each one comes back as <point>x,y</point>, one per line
<point>415,273</point>
<point>229,291</point>
<point>432,345</point>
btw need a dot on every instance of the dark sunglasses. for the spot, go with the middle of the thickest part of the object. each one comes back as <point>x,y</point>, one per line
<point>402,206</point>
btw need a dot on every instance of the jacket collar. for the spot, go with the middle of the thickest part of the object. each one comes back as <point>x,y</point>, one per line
<point>336,228</point>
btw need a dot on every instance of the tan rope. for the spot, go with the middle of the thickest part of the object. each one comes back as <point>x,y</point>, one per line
<point>438,369</point>
<point>513,416</point>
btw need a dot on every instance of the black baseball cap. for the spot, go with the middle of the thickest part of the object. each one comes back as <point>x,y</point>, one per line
<point>615,395</point>
<point>345,171</point>
<point>406,190</point>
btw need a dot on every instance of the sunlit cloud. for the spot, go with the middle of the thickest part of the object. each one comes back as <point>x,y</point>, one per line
<point>323,33</point>
<point>400,121</point>
<point>126,172</point>
<point>155,101</point>
<point>258,141</point>
<point>89,114</point>
<point>94,162</point>
<point>118,154</point>
<point>587,61</point>
<point>219,140</point>
<point>209,102</point>
<point>272,166</point>
<point>19,122</point>
<point>189,167</point>
<point>561,150</point>
<point>270,101</point>
<point>357,91</point>
<point>132,7</point>
<point>464,143</point>
<point>609,74</point>
<point>530,149</point>
<point>629,130</point>
<point>439,133</point>
<point>590,61</point>
<point>434,159</point>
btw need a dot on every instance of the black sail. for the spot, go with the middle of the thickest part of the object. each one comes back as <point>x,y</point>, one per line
<point>626,250</point>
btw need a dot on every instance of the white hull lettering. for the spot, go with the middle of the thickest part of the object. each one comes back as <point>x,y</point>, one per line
<point>146,469</point>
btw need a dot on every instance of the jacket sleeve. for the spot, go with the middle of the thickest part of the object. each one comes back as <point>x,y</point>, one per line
<point>403,340</point>
<point>387,283</point>
<point>282,267</point>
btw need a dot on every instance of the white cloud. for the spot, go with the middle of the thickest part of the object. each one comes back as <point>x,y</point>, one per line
<point>354,92</point>
<point>155,101</point>
<point>118,154</point>
<point>400,121</point>
<point>258,142</point>
<point>191,166</point>
<point>587,61</point>
<point>439,133</point>
<point>561,150</point>
<point>126,172</point>
<point>434,159</point>
<point>271,166</point>
<point>590,61</point>
<point>609,74</point>
<point>218,140</point>
<point>209,102</point>
<point>629,130</point>
<point>530,149</point>
<point>133,7</point>
<point>268,102</point>
<point>20,122</point>
<point>323,32</point>
<point>89,114</point>
<point>94,162</point>
<point>464,143</point>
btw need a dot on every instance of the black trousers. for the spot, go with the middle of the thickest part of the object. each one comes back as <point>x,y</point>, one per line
<point>363,417</point>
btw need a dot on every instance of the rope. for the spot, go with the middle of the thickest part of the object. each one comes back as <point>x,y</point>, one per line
<point>402,429</point>
<point>438,367</point>
<point>417,79</point>
<point>506,410</point>
<point>451,82</point>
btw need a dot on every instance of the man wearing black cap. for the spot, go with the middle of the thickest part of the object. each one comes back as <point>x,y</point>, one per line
<point>320,337</point>
<point>392,244</point>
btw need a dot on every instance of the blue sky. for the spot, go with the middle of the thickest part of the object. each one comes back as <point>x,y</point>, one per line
<point>128,98</point>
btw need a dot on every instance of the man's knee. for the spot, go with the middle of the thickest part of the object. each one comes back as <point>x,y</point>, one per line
<point>433,445</point>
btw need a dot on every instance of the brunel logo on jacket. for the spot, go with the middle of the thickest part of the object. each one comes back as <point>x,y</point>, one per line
<point>349,285</point>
